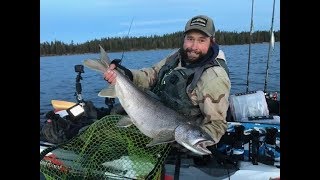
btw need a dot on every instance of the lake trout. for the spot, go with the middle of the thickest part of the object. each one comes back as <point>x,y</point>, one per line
<point>149,115</point>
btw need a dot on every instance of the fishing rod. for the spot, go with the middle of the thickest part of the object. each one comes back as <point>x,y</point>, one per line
<point>110,101</point>
<point>127,37</point>
<point>251,32</point>
<point>271,44</point>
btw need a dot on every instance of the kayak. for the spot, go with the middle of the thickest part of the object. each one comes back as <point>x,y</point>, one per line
<point>119,147</point>
<point>176,165</point>
<point>246,170</point>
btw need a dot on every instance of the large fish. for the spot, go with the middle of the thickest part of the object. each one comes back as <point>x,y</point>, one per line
<point>149,115</point>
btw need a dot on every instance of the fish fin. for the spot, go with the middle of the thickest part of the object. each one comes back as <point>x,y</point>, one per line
<point>104,56</point>
<point>108,92</point>
<point>125,121</point>
<point>163,138</point>
<point>96,65</point>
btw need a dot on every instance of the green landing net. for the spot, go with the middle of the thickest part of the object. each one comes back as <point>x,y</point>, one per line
<point>105,151</point>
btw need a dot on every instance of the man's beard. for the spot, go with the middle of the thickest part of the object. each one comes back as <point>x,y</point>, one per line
<point>190,60</point>
<point>201,60</point>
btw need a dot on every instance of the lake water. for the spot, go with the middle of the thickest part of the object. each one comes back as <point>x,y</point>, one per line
<point>58,77</point>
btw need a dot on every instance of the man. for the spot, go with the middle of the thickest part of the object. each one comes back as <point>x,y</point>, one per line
<point>193,80</point>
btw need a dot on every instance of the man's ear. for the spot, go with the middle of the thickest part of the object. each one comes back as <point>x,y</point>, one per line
<point>212,40</point>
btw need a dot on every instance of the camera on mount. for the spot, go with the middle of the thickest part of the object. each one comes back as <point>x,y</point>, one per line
<point>78,68</point>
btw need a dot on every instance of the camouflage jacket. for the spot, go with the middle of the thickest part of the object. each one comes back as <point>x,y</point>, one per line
<point>211,94</point>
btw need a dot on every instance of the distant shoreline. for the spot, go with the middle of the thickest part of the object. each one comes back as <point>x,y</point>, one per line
<point>134,50</point>
<point>109,52</point>
<point>167,41</point>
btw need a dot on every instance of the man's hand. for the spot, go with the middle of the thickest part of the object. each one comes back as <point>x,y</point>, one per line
<point>110,75</point>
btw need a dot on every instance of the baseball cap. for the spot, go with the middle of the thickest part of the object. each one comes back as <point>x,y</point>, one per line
<point>202,23</point>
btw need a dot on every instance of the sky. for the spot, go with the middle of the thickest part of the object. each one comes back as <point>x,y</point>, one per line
<point>84,20</point>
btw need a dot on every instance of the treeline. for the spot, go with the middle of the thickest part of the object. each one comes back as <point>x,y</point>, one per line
<point>166,41</point>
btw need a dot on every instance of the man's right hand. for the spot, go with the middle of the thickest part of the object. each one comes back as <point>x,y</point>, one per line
<point>110,75</point>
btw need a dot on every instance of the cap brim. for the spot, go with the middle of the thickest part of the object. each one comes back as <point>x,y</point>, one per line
<point>196,29</point>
